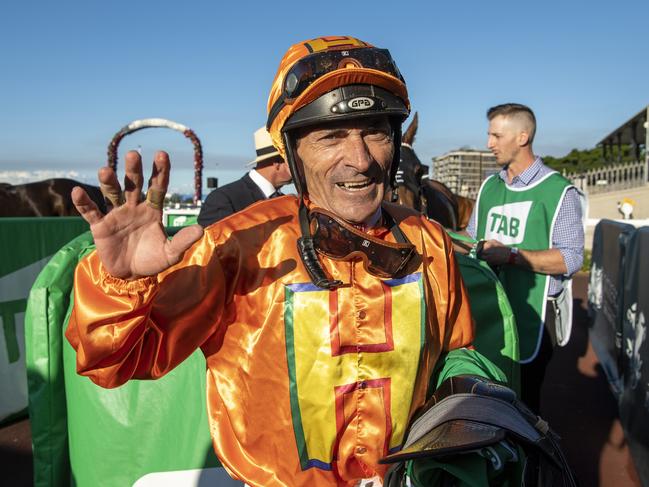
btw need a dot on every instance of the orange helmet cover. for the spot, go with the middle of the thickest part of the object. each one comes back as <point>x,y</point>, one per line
<point>324,84</point>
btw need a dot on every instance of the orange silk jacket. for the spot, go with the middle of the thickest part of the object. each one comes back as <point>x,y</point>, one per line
<point>304,386</point>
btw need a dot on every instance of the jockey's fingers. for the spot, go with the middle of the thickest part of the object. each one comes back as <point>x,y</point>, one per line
<point>85,206</point>
<point>133,179</point>
<point>110,188</point>
<point>185,238</point>
<point>159,180</point>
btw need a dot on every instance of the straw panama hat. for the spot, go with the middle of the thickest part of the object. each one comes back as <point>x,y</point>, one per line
<point>263,146</point>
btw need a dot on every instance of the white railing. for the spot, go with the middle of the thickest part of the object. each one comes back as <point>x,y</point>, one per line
<point>610,178</point>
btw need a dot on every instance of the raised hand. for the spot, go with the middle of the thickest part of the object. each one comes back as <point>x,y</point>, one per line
<point>130,239</point>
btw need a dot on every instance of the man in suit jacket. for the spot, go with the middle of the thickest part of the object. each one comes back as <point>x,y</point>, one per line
<point>271,172</point>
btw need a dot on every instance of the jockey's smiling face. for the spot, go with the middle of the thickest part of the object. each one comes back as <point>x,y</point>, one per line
<point>346,165</point>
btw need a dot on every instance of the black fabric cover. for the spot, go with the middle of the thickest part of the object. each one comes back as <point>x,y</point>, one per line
<point>606,280</point>
<point>634,402</point>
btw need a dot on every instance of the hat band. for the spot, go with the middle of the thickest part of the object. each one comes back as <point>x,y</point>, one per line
<point>266,150</point>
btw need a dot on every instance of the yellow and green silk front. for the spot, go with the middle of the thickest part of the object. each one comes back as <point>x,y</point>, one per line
<point>305,386</point>
<point>332,370</point>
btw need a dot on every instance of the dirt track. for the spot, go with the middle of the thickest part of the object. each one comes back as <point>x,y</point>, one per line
<point>576,402</point>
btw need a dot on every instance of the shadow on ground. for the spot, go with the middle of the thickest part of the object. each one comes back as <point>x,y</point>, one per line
<point>16,454</point>
<point>577,402</point>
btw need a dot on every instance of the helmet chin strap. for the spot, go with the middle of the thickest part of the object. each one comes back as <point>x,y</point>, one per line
<point>309,255</point>
<point>289,154</point>
<point>305,245</point>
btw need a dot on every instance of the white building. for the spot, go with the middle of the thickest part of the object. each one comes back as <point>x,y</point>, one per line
<point>463,170</point>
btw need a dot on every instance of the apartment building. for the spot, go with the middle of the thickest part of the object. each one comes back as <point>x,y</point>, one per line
<point>463,170</point>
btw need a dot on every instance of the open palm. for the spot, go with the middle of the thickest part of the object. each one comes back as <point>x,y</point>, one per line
<point>130,239</point>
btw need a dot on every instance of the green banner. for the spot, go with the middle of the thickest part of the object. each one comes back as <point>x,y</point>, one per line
<point>27,244</point>
<point>180,217</point>
<point>181,220</point>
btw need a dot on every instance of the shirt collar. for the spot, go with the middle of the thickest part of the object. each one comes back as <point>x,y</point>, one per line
<point>264,184</point>
<point>527,176</point>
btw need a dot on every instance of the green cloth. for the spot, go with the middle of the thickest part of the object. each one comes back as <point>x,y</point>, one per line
<point>47,307</point>
<point>496,336</point>
<point>524,218</point>
<point>499,465</point>
<point>475,468</point>
<point>463,361</point>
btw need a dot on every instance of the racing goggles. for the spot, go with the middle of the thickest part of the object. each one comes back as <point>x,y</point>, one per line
<point>312,67</point>
<point>341,241</point>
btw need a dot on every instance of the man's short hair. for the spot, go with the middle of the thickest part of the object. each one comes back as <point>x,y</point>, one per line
<point>515,110</point>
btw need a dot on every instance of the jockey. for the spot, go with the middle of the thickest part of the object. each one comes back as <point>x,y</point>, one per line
<point>326,320</point>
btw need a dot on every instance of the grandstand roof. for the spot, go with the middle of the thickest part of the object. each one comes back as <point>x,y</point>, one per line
<point>635,129</point>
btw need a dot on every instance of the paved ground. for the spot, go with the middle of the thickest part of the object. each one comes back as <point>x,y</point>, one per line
<point>16,455</point>
<point>604,205</point>
<point>576,402</point>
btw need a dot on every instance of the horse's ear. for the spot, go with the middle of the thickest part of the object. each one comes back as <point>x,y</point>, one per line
<point>409,135</point>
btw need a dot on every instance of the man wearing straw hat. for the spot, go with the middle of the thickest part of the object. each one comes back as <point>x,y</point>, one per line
<point>263,181</point>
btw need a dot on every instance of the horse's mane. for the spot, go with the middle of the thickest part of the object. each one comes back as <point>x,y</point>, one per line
<point>441,187</point>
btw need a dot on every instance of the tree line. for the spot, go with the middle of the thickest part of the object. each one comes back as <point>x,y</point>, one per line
<point>581,160</point>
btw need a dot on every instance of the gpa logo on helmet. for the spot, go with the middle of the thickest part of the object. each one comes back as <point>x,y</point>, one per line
<point>360,103</point>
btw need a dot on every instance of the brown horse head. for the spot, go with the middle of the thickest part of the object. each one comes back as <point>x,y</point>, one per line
<point>411,170</point>
<point>431,197</point>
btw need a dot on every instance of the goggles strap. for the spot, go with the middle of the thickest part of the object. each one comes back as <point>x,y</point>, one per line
<point>394,228</point>
<point>398,235</point>
<point>274,111</point>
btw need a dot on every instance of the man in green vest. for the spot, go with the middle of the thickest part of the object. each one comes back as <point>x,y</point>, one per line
<point>529,218</point>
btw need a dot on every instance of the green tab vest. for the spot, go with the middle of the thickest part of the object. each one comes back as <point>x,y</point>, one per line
<point>523,218</point>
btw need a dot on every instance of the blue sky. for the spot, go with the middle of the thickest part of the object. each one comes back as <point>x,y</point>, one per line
<point>73,73</point>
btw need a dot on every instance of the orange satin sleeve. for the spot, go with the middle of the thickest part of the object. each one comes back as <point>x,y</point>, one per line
<point>305,386</point>
<point>144,328</point>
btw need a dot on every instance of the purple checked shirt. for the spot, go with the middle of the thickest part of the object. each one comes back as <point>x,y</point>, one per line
<point>568,233</point>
